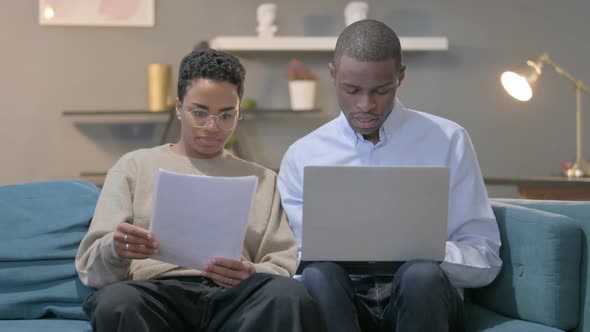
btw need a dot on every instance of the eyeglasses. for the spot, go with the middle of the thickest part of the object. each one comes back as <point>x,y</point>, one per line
<point>226,120</point>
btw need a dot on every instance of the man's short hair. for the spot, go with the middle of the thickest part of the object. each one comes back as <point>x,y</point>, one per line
<point>210,64</point>
<point>368,40</point>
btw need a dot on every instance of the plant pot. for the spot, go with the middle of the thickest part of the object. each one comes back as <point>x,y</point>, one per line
<point>302,94</point>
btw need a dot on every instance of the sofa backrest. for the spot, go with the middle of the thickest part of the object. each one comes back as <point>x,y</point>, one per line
<point>579,211</point>
<point>42,225</point>
<point>540,277</point>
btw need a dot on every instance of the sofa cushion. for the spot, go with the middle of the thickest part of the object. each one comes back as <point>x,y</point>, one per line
<point>46,325</point>
<point>478,319</point>
<point>579,211</point>
<point>540,278</point>
<point>42,225</point>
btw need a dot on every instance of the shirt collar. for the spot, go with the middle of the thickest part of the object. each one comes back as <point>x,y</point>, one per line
<point>386,130</point>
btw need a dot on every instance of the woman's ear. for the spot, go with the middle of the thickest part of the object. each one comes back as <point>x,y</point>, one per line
<point>178,108</point>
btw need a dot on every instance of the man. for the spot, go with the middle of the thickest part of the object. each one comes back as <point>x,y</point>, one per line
<point>375,129</point>
<point>137,293</point>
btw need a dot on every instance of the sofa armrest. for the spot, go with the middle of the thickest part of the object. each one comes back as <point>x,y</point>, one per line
<point>540,278</point>
<point>579,211</point>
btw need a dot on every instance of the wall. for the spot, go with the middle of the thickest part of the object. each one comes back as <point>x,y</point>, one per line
<point>45,70</point>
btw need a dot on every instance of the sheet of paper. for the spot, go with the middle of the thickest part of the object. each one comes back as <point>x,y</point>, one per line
<point>196,218</point>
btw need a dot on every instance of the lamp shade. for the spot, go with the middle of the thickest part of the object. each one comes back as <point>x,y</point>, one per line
<point>519,81</point>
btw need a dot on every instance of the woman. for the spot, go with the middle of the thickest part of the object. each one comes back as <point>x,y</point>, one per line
<point>137,293</point>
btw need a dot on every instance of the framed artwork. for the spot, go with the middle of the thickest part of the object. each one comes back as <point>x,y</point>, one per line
<point>124,13</point>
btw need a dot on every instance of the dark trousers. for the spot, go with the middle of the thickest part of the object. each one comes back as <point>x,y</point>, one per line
<point>421,299</point>
<point>262,302</point>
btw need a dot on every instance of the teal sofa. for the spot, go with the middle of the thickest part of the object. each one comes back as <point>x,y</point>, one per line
<point>542,286</point>
<point>41,226</point>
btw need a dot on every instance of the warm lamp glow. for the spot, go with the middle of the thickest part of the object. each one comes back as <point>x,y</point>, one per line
<point>517,86</point>
<point>519,83</point>
<point>48,12</point>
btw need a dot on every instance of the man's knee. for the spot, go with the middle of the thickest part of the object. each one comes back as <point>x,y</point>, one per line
<point>420,277</point>
<point>321,272</point>
<point>112,301</point>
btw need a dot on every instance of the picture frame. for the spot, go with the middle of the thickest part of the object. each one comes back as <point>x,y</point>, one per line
<point>119,13</point>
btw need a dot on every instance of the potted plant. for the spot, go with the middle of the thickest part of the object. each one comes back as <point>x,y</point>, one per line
<point>302,86</point>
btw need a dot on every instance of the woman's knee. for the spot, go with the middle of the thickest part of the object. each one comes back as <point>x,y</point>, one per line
<point>115,299</point>
<point>284,289</point>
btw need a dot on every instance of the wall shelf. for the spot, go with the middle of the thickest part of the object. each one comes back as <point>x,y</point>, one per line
<point>278,113</point>
<point>258,115</point>
<point>97,178</point>
<point>118,116</point>
<point>278,110</point>
<point>314,44</point>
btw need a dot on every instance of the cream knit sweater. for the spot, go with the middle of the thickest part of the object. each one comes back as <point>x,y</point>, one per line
<point>127,197</point>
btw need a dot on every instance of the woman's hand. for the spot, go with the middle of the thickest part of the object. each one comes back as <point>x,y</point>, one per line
<point>228,272</point>
<point>134,242</point>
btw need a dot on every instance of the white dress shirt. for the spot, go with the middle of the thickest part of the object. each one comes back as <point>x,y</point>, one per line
<point>409,138</point>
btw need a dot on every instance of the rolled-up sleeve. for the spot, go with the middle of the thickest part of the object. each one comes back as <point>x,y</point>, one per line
<point>472,251</point>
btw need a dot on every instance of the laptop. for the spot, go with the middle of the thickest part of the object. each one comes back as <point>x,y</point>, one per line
<point>371,219</point>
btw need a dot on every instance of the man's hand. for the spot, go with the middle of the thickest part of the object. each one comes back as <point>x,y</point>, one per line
<point>228,272</point>
<point>134,242</point>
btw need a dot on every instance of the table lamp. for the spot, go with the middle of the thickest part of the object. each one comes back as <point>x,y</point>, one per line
<point>519,83</point>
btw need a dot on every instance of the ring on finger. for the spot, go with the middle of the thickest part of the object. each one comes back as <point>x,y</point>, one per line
<point>125,237</point>
<point>126,246</point>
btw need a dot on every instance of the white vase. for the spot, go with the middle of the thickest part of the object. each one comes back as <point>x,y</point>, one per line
<point>265,16</point>
<point>302,94</point>
<point>355,11</point>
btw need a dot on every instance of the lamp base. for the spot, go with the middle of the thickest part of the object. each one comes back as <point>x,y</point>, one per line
<point>579,169</point>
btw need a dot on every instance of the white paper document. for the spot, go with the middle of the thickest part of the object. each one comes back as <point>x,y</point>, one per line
<point>196,218</point>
